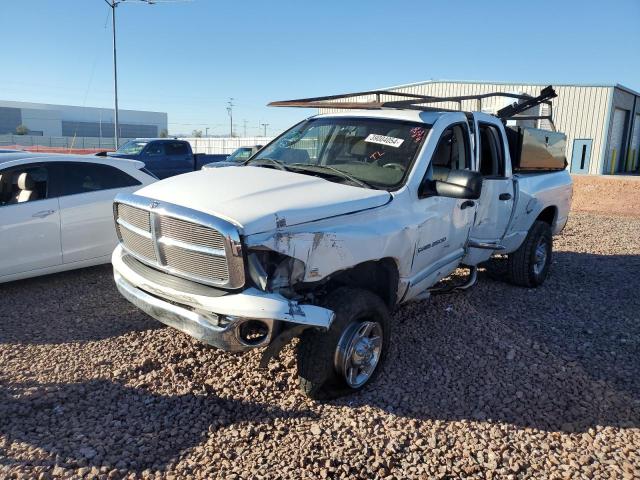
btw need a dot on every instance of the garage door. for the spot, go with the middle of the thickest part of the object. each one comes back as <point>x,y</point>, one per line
<point>615,158</point>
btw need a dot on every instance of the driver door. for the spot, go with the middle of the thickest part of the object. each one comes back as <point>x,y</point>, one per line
<point>155,159</point>
<point>444,230</point>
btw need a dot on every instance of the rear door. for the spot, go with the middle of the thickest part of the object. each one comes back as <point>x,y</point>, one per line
<point>29,229</point>
<point>581,156</point>
<point>496,202</point>
<point>86,208</point>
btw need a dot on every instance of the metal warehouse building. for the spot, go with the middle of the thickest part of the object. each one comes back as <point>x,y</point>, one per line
<point>71,121</point>
<point>602,122</point>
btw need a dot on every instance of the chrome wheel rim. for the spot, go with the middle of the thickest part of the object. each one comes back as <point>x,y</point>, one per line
<point>358,352</point>
<point>540,257</point>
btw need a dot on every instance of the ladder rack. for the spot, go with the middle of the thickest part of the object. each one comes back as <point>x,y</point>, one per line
<point>426,103</point>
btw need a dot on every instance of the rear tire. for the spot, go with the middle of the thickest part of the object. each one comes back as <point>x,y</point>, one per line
<point>529,265</point>
<point>350,355</point>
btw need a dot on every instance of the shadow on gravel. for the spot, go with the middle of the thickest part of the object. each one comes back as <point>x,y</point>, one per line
<point>102,423</point>
<point>563,357</point>
<point>76,306</point>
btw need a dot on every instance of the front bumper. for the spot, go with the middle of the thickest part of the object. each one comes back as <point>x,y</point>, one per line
<point>213,318</point>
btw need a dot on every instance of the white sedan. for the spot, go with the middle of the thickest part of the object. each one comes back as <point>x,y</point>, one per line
<point>56,211</point>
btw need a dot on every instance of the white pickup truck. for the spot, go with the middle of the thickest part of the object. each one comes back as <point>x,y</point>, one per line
<point>333,224</point>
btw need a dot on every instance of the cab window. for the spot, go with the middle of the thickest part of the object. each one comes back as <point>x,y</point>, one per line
<point>491,151</point>
<point>452,152</point>
<point>176,148</point>
<point>155,149</point>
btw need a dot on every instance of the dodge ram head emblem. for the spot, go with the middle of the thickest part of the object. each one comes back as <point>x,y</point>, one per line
<point>154,204</point>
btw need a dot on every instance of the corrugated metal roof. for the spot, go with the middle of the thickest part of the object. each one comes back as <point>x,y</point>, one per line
<point>491,82</point>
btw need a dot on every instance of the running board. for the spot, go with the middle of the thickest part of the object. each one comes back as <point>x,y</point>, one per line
<point>473,276</point>
<point>485,245</point>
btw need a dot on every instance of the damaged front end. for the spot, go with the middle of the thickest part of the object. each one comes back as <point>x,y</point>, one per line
<point>274,272</point>
<point>231,320</point>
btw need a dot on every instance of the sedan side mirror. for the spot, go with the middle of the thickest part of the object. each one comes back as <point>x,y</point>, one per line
<point>463,184</point>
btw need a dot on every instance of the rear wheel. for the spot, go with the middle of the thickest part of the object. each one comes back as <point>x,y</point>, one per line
<point>529,265</point>
<point>349,355</point>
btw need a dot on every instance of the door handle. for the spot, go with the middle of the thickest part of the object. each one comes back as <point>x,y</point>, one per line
<point>504,196</point>
<point>467,203</point>
<point>43,213</point>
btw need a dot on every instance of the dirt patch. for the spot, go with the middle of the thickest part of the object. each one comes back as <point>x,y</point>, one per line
<point>613,195</point>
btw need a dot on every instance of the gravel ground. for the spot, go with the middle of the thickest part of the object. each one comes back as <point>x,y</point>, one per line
<point>499,382</point>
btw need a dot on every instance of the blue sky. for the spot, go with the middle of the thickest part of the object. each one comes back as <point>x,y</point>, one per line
<point>187,58</point>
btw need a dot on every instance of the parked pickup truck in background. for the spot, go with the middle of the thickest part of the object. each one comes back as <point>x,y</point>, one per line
<point>335,223</point>
<point>164,157</point>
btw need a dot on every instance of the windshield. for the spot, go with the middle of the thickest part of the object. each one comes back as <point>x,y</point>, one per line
<point>240,155</point>
<point>362,151</point>
<point>132,147</point>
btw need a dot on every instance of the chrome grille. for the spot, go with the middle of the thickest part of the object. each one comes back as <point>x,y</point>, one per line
<point>205,250</point>
<point>134,216</point>
<point>137,243</point>
<point>201,265</point>
<point>192,233</point>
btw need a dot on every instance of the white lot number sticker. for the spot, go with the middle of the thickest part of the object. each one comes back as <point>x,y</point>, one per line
<point>384,140</point>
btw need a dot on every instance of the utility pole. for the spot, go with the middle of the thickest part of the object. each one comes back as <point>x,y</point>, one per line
<point>206,132</point>
<point>113,4</point>
<point>265,125</point>
<point>230,106</point>
<point>244,122</point>
<point>116,124</point>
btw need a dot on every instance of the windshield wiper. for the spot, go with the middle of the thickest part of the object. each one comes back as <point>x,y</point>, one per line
<point>279,165</point>
<point>338,172</point>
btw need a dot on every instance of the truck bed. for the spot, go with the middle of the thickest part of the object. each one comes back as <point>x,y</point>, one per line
<point>533,190</point>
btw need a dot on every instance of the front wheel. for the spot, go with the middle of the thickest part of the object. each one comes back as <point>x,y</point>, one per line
<point>349,355</point>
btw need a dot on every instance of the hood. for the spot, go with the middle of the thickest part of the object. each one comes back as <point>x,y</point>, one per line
<point>121,155</point>
<point>260,199</point>
<point>221,164</point>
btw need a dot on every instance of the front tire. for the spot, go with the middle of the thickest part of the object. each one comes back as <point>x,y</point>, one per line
<point>529,265</point>
<point>350,355</point>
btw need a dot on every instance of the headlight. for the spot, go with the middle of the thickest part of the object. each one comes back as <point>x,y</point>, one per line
<point>256,271</point>
<point>272,271</point>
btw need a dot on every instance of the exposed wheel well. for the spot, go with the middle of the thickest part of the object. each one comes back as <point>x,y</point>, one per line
<point>379,276</point>
<point>548,215</point>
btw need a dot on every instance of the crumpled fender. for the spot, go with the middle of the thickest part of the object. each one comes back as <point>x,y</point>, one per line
<point>339,243</point>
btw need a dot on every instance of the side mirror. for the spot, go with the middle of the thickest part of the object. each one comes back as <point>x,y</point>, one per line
<point>463,184</point>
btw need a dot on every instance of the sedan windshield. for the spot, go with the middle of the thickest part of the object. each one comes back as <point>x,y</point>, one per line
<point>371,153</point>
<point>131,147</point>
<point>240,155</point>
